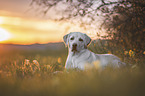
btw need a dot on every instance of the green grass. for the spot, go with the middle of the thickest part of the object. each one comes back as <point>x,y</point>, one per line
<point>17,80</point>
<point>109,82</point>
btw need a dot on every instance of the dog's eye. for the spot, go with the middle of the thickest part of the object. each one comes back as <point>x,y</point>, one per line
<point>80,39</point>
<point>72,38</point>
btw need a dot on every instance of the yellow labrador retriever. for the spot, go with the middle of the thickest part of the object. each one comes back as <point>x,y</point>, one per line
<point>80,57</point>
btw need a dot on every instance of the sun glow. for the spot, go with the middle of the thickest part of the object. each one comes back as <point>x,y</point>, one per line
<point>4,35</point>
<point>1,21</point>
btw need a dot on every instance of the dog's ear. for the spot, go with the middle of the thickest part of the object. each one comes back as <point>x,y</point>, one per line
<point>88,39</point>
<point>65,39</point>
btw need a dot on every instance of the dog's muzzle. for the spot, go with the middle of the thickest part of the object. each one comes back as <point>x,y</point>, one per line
<point>74,47</point>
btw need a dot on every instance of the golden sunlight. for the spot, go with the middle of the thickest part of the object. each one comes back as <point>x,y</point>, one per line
<point>25,31</point>
<point>4,35</point>
<point>1,21</point>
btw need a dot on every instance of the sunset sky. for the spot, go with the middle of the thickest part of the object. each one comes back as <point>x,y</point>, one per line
<point>21,24</point>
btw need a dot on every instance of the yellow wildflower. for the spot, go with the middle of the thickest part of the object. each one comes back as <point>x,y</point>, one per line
<point>131,53</point>
<point>109,52</point>
<point>59,60</point>
<point>144,52</point>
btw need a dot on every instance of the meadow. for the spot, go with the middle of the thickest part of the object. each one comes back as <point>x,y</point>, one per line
<point>41,73</point>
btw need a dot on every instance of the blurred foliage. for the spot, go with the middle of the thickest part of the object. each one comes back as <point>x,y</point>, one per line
<point>111,82</point>
<point>105,47</point>
<point>127,26</point>
<point>25,63</point>
<point>23,74</point>
<point>123,20</point>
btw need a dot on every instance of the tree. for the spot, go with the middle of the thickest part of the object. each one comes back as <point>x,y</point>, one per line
<point>129,25</point>
<point>123,20</point>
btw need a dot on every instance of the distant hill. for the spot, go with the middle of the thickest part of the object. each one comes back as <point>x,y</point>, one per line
<point>49,46</point>
<point>41,47</point>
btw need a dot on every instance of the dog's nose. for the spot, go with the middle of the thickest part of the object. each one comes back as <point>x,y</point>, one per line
<point>74,45</point>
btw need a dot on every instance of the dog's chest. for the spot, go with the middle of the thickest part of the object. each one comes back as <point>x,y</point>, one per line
<point>79,61</point>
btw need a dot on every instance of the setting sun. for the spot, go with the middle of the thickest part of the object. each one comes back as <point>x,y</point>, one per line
<point>4,35</point>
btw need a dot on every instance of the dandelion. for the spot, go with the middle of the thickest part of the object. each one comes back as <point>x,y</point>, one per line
<point>27,67</point>
<point>35,62</point>
<point>131,53</point>
<point>36,65</point>
<point>26,62</point>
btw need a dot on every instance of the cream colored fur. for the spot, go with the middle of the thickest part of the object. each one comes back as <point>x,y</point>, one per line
<point>82,58</point>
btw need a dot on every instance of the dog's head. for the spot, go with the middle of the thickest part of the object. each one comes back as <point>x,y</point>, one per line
<point>76,41</point>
